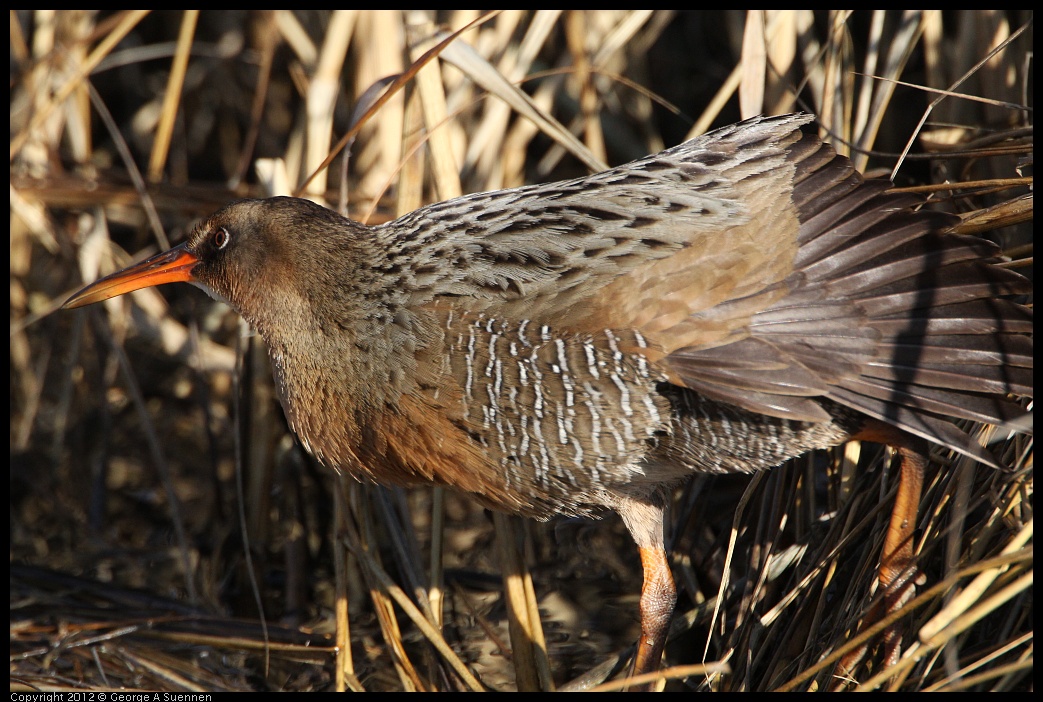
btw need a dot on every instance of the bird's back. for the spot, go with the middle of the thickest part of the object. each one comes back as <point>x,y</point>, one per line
<point>724,305</point>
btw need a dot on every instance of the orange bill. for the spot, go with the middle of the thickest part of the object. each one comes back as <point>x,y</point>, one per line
<point>173,266</point>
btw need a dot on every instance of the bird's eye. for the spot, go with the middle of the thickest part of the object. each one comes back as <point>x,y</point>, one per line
<point>221,238</point>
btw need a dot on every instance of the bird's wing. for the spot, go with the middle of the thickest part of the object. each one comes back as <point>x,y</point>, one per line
<point>761,270</point>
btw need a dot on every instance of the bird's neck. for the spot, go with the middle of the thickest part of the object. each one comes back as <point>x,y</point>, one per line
<point>350,358</point>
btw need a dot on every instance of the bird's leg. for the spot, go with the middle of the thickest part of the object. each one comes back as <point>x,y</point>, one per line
<point>658,596</point>
<point>897,573</point>
<point>644,519</point>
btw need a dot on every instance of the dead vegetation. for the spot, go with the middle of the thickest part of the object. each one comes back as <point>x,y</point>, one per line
<point>167,533</point>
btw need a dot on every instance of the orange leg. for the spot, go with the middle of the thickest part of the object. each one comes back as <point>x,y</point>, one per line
<point>658,596</point>
<point>644,519</point>
<point>897,573</point>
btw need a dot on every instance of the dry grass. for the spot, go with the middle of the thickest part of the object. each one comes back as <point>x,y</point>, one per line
<point>168,534</point>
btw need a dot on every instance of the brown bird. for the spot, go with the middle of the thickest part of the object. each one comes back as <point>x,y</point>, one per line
<point>583,346</point>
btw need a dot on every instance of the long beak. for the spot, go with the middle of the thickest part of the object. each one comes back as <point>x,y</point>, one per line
<point>173,266</point>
